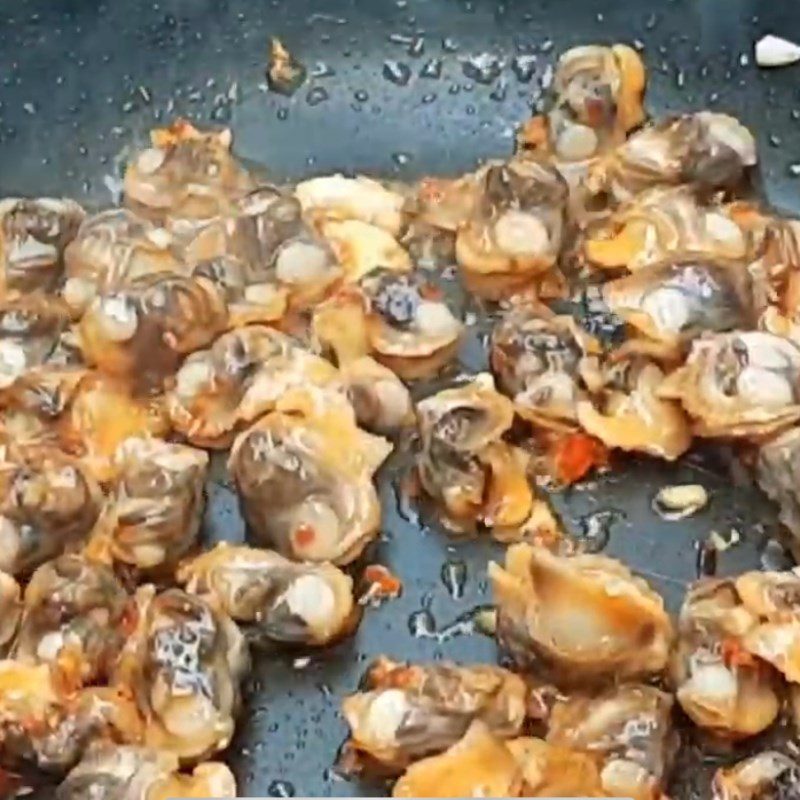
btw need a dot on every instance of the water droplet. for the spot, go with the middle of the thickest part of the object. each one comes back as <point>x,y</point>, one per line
<point>713,98</point>
<point>595,529</point>
<point>404,501</point>
<point>316,95</point>
<point>599,16</point>
<point>706,564</point>
<point>680,78</point>
<point>546,81</point>
<point>774,557</point>
<point>401,159</point>
<point>283,114</point>
<point>321,70</point>
<point>417,47</point>
<point>651,21</point>
<point>422,625</point>
<point>449,44</point>
<point>498,94</point>
<point>361,96</point>
<point>794,170</point>
<point>30,108</point>
<point>547,46</point>
<point>427,99</point>
<point>524,66</point>
<point>795,114</point>
<point>454,88</point>
<point>774,140</point>
<point>396,72</point>
<point>482,68</point>
<point>638,44</point>
<point>744,59</point>
<point>400,38</point>
<point>432,69</point>
<point>470,109</point>
<point>280,789</point>
<point>454,578</point>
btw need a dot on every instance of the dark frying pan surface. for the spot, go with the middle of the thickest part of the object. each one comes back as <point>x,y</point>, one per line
<point>81,81</point>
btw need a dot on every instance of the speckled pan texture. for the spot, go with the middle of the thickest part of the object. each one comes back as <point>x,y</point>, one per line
<point>393,90</point>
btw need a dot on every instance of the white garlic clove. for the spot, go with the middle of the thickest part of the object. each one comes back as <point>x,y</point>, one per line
<point>680,501</point>
<point>774,51</point>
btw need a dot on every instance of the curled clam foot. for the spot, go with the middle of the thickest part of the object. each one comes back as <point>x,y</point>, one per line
<point>304,479</point>
<point>738,384</point>
<point>515,231</point>
<point>582,618</point>
<point>658,223</point>
<point>405,712</point>
<point>184,664</point>
<point>142,333</point>
<point>538,361</point>
<point>477,765</point>
<point>402,320</point>
<point>778,475</point>
<point>186,175</point>
<point>463,462</point>
<point>33,236</point>
<point>74,618</point>
<point>706,149</point>
<point>49,504</point>
<point>155,505</point>
<point>764,776</point>
<point>303,604</point>
<point>670,303</point>
<point>127,772</point>
<point>629,728</point>
<point>10,609</point>
<point>112,248</point>
<point>628,412</point>
<point>242,376</point>
<point>335,197</point>
<point>720,686</point>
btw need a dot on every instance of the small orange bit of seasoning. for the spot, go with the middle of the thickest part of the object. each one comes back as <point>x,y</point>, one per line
<point>383,584</point>
<point>734,655</point>
<point>575,455</point>
<point>304,535</point>
<point>429,291</point>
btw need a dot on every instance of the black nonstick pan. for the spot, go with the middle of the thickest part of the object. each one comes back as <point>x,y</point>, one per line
<point>394,90</point>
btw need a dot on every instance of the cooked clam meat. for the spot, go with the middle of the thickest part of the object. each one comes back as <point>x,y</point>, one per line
<point>629,728</point>
<point>10,609</point>
<point>446,204</point>
<point>477,765</point>
<point>74,618</point>
<point>405,712</point>
<point>583,618</point>
<point>738,384</point>
<point>516,229</point>
<point>719,685</point>
<point>537,361</point>
<point>242,376</point>
<point>660,222</point>
<point>49,503</point>
<point>306,604</point>
<point>765,776</point>
<point>143,331</point>
<point>33,236</point>
<point>778,475</point>
<point>673,301</point>
<point>628,412</point>
<point>463,462</point>
<point>127,772</point>
<point>335,197</point>
<point>184,665</point>
<point>155,506</point>
<point>705,149</point>
<point>304,479</point>
<point>186,175</point>
<point>400,319</point>
<point>112,248</point>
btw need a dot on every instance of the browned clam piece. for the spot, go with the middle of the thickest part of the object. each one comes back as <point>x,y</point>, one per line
<point>400,319</point>
<point>463,462</point>
<point>302,604</point>
<point>10,610</point>
<point>73,618</point>
<point>155,506</point>
<point>406,712</point>
<point>185,177</point>
<point>111,249</point>
<point>33,235</point>
<point>514,233</point>
<point>143,331</point>
<point>49,503</point>
<point>304,478</point>
<point>738,384</point>
<point>706,149</point>
<point>669,303</point>
<point>778,475</point>
<point>127,772</point>
<point>242,376</point>
<point>658,223</point>
<point>477,765</point>
<point>764,776</point>
<point>721,687</point>
<point>585,618</point>
<point>184,664</point>
<point>538,361</point>
<point>598,95</point>
<point>628,413</point>
<point>47,725</point>
<point>628,728</point>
